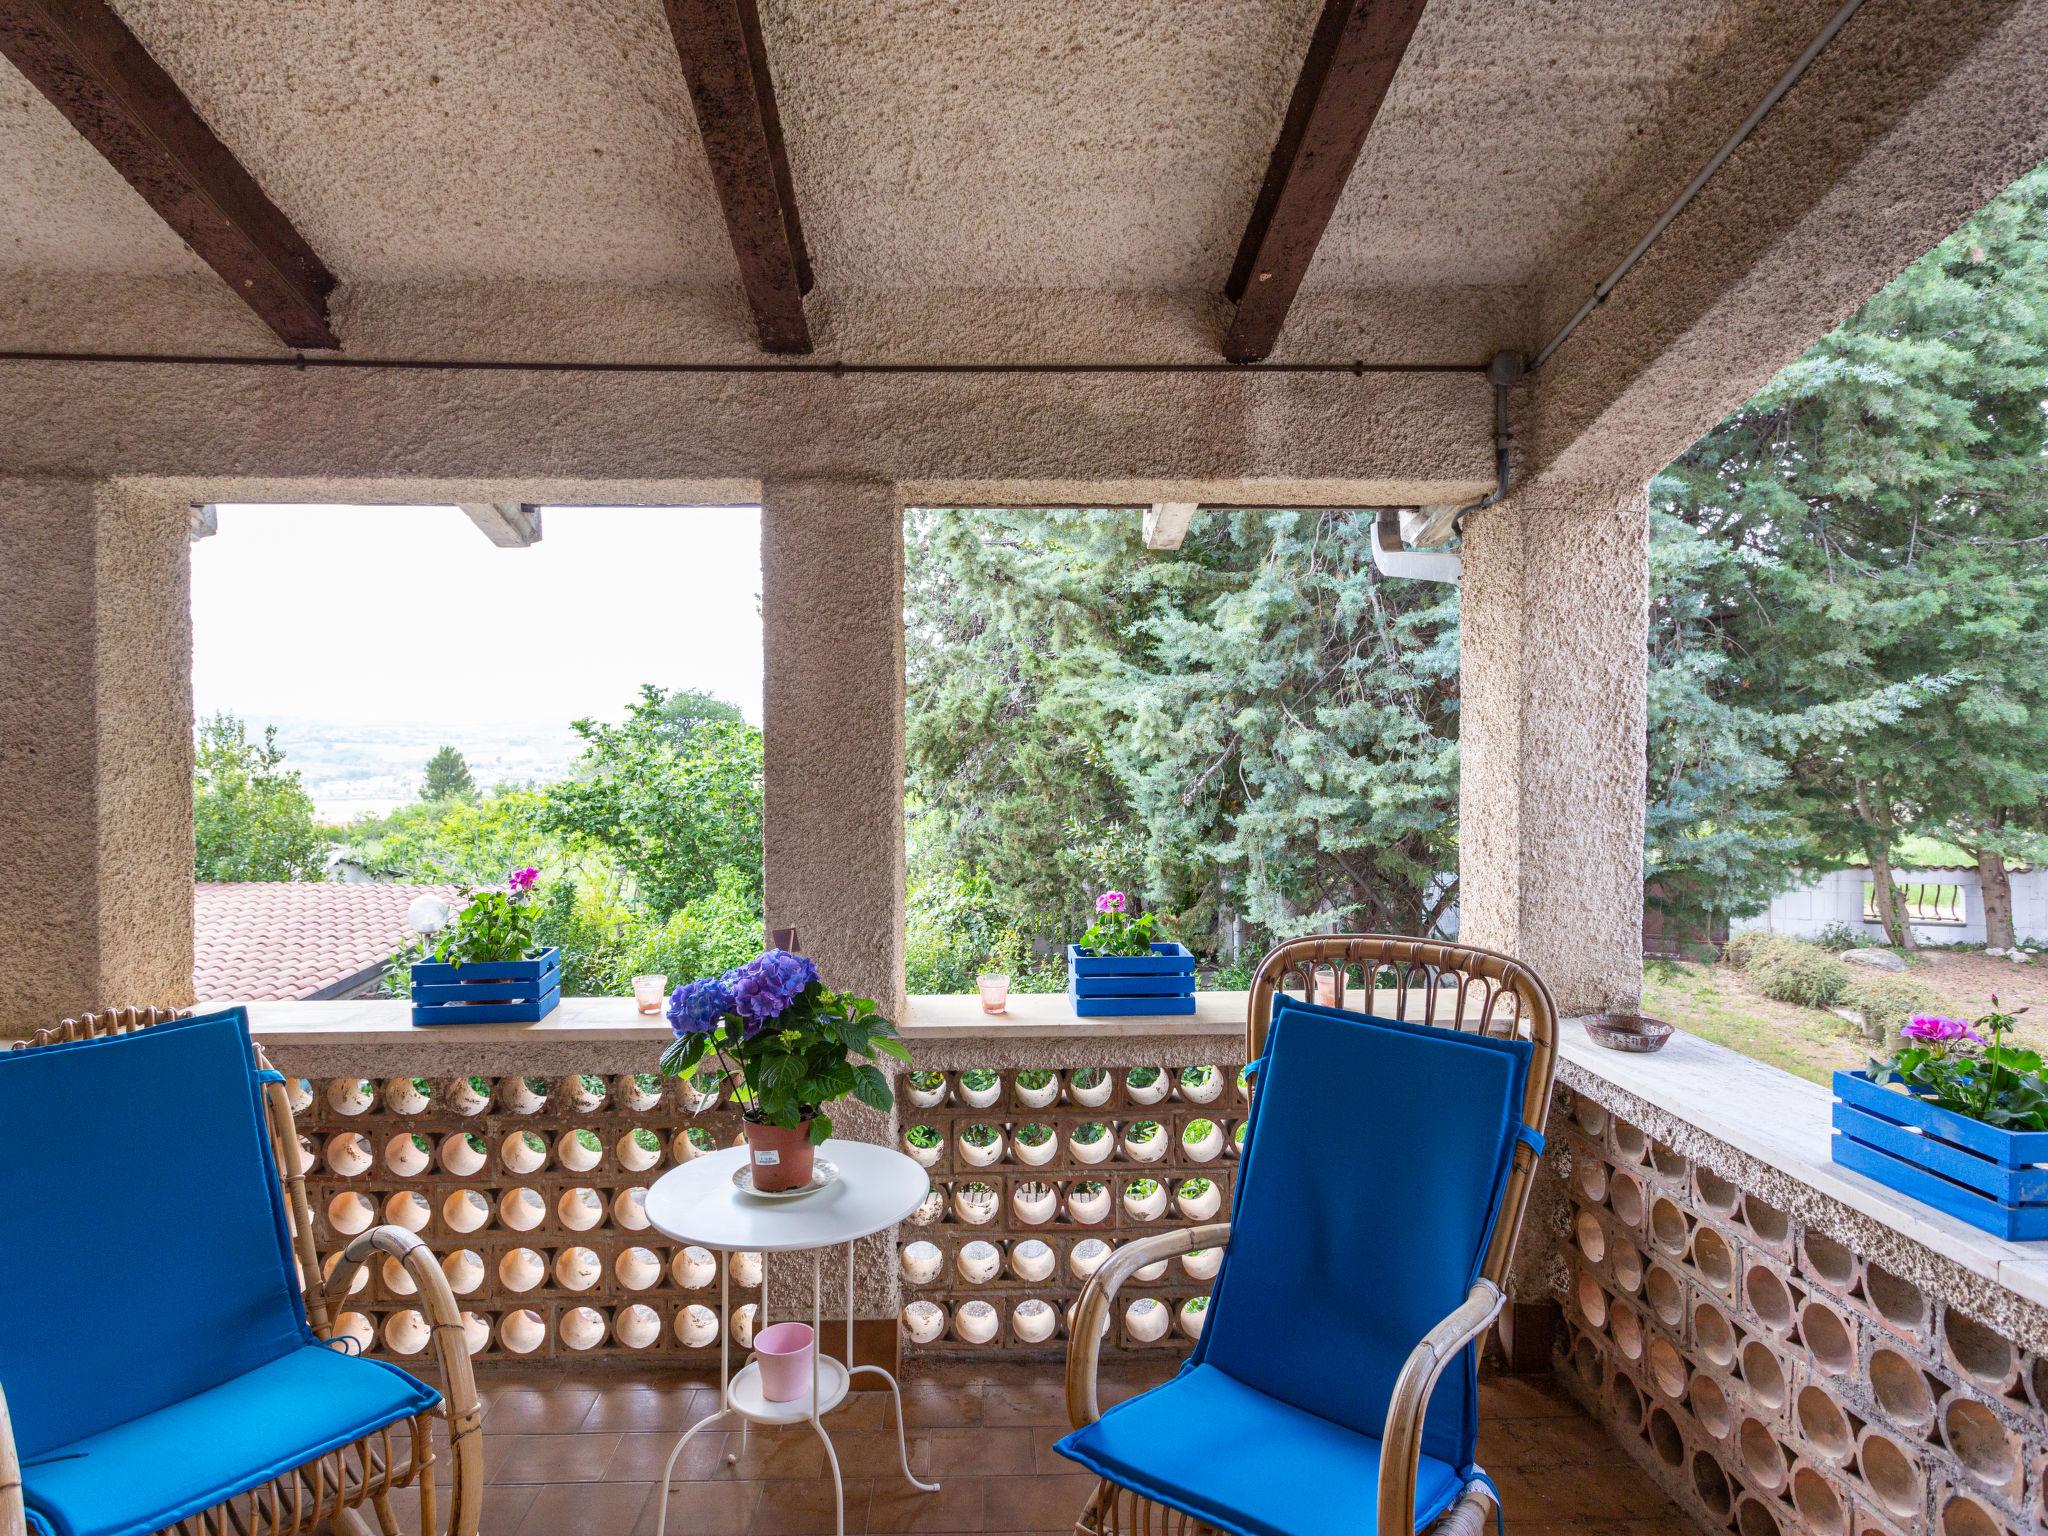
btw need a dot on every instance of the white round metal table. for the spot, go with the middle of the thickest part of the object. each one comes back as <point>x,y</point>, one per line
<point>698,1203</point>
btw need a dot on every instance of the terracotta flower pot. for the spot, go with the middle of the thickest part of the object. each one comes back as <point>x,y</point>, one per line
<point>781,1155</point>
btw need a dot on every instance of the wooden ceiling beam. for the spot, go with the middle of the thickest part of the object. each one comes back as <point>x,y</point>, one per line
<point>726,66</point>
<point>1352,58</point>
<point>82,56</point>
<point>1167,523</point>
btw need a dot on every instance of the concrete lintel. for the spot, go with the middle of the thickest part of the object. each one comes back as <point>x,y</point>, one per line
<point>507,524</point>
<point>204,523</point>
<point>1166,523</point>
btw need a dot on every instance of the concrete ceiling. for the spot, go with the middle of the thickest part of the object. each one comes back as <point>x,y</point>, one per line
<point>1099,159</point>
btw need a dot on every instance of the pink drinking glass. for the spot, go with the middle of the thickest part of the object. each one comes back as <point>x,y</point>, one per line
<point>648,992</point>
<point>995,992</point>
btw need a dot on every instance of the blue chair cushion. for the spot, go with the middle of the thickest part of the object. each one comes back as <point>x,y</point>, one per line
<point>1247,1463</point>
<point>150,1472</point>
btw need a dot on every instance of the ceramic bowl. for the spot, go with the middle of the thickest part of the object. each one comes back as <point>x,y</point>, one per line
<point>582,1328</point>
<point>403,1096</point>
<point>522,1331</point>
<point>1146,1319</point>
<point>349,1154</point>
<point>629,1209</point>
<point>975,1322</point>
<point>349,1213</point>
<point>924,1321</point>
<point>580,1209</point>
<point>406,1332</point>
<point>921,1262</point>
<point>405,1157</point>
<point>521,1269</point>
<point>408,1208</point>
<point>1087,1256</point>
<point>1628,1032</point>
<point>696,1326</point>
<point>522,1209</point>
<point>464,1268</point>
<point>466,1210</point>
<point>523,1152</point>
<point>637,1267</point>
<point>1032,1321</point>
<point>578,1150</point>
<point>637,1326</point>
<point>1032,1261</point>
<point>350,1095</point>
<point>693,1268</point>
<point>978,1262</point>
<point>1088,1206</point>
<point>577,1268</point>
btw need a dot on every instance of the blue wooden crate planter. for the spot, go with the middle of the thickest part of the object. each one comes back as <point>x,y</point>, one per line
<point>1975,1172</point>
<point>487,992</point>
<point>1127,986</point>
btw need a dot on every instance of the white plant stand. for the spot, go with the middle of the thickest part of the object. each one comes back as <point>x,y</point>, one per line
<point>697,1203</point>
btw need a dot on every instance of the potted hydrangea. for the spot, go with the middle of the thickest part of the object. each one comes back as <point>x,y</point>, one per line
<point>485,966</point>
<point>1118,970</point>
<point>786,1045</point>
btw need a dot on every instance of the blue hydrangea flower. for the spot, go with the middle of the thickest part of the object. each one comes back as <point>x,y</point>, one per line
<point>696,1008</point>
<point>764,988</point>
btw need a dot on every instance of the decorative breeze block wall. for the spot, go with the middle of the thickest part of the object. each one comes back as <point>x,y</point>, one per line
<point>1039,1173</point>
<point>1772,1378</point>
<point>531,1192</point>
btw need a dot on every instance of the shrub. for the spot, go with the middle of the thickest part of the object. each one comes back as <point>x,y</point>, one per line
<point>1801,974</point>
<point>1746,947</point>
<point>1886,1002</point>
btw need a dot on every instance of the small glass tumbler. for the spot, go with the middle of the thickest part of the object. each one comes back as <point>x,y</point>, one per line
<point>995,992</point>
<point>1326,986</point>
<point>649,992</point>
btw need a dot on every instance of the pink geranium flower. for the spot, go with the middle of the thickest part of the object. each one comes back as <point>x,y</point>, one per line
<point>522,880</point>
<point>1111,901</point>
<point>1941,1033</point>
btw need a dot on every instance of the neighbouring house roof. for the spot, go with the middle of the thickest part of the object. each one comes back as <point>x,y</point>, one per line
<point>265,941</point>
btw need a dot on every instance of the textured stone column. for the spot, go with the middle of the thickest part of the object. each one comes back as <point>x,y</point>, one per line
<point>1554,628</point>
<point>832,710</point>
<point>95,751</point>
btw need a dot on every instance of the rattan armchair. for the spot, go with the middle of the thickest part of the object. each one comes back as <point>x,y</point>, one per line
<point>337,1488</point>
<point>1448,987</point>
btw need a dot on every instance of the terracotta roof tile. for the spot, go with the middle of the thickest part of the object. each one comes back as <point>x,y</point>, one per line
<point>271,941</point>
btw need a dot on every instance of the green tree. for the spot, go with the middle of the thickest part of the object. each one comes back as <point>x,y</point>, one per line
<point>1884,500</point>
<point>251,817</point>
<point>448,777</point>
<point>1255,726</point>
<point>672,814</point>
<point>684,709</point>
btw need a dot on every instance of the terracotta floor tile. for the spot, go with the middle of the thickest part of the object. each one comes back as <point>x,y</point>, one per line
<point>516,1410</point>
<point>1040,1503</point>
<point>548,1458</point>
<point>643,1408</point>
<point>700,1509</point>
<point>1024,1402</point>
<point>984,1451</point>
<point>803,1507</point>
<point>585,1509</point>
<point>642,1454</point>
<point>894,1506</point>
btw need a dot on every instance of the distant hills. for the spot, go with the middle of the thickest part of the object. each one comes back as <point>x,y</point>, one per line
<point>354,770</point>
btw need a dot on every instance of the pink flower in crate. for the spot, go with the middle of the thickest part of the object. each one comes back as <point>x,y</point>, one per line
<point>1111,901</point>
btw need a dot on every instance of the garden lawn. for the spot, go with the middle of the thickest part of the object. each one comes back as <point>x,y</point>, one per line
<point>1722,1004</point>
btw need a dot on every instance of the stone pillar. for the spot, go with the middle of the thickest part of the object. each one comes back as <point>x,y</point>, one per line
<point>1554,626</point>
<point>832,712</point>
<point>95,751</point>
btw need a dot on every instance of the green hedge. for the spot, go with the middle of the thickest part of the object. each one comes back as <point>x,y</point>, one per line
<point>1887,1002</point>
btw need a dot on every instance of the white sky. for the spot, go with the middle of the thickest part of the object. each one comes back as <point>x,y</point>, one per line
<point>363,615</point>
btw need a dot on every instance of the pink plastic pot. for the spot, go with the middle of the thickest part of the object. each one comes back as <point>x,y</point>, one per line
<point>784,1353</point>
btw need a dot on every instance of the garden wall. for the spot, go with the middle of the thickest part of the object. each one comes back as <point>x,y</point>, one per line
<point>1835,900</point>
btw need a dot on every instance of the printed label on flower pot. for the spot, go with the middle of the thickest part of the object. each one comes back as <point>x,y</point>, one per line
<point>766,1157</point>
